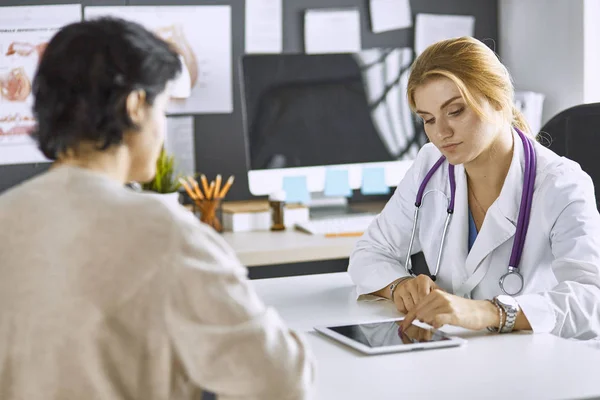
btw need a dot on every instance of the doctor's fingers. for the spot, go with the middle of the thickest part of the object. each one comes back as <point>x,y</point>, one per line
<point>435,311</point>
<point>418,289</point>
<point>407,299</point>
<point>400,304</point>
<point>435,317</point>
<point>424,285</point>
<point>409,295</point>
<point>422,309</point>
<point>439,320</point>
<point>415,290</point>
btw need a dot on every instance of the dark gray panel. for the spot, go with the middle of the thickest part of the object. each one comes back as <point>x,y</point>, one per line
<point>485,12</point>
<point>295,269</point>
<point>220,146</point>
<point>48,2</point>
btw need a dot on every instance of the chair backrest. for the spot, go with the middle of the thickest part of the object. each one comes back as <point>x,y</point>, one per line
<point>575,134</point>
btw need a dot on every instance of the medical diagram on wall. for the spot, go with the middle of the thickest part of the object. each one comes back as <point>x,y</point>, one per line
<point>385,75</point>
<point>24,35</point>
<point>202,37</point>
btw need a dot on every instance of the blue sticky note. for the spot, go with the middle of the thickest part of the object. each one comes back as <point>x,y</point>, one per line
<point>373,181</point>
<point>336,183</point>
<point>296,190</point>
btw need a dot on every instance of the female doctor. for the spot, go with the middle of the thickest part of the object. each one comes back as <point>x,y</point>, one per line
<point>509,230</point>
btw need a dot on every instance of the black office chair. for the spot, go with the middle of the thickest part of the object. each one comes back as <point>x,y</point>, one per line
<point>575,134</point>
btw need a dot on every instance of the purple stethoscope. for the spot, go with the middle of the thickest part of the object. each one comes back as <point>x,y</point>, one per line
<point>512,281</point>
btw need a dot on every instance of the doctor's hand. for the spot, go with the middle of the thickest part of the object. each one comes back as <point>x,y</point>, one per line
<point>440,308</point>
<point>411,291</point>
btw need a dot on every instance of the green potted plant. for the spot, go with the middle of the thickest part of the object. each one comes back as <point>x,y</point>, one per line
<point>166,181</point>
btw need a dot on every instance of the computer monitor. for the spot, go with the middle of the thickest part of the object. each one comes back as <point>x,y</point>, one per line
<point>306,113</point>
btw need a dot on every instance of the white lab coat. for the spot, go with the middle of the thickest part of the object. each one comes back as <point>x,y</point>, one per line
<point>560,262</point>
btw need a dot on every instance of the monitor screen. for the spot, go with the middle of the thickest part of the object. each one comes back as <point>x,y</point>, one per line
<point>308,110</point>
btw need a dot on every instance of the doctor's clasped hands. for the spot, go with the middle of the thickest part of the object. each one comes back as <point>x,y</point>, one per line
<point>420,298</point>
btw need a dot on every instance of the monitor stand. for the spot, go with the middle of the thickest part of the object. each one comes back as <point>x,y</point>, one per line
<point>323,207</point>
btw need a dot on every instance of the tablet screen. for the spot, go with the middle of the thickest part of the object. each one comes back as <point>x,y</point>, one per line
<point>383,334</point>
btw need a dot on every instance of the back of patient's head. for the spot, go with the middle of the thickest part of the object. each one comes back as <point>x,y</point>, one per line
<point>85,76</point>
<point>476,71</point>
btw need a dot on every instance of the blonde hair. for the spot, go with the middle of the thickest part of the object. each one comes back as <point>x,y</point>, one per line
<point>475,69</point>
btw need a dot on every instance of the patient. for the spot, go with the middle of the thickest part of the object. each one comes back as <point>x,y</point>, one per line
<point>110,294</point>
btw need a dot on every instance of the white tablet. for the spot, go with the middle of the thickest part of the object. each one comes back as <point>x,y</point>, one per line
<point>386,337</point>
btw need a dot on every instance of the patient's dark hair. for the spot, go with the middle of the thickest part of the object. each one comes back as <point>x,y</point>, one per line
<point>84,77</point>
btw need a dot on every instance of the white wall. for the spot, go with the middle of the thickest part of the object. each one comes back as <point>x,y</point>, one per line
<point>591,47</point>
<point>541,43</point>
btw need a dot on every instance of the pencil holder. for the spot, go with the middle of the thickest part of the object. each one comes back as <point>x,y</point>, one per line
<point>207,201</point>
<point>209,213</point>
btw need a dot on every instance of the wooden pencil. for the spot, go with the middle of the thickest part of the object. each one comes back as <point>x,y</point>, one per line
<point>217,185</point>
<point>343,234</point>
<point>211,189</point>
<point>188,189</point>
<point>226,187</point>
<point>204,183</point>
<point>196,188</point>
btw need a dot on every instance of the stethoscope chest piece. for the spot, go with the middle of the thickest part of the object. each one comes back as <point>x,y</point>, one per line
<point>512,282</point>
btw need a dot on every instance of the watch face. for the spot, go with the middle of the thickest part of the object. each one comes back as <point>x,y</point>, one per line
<point>507,300</point>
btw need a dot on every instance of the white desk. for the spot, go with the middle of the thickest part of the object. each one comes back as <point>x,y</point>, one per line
<point>514,366</point>
<point>290,246</point>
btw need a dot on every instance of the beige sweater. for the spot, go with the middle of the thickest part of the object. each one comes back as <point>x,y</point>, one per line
<point>110,294</point>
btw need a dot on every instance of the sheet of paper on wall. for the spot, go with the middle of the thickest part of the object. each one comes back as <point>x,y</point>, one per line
<point>24,34</point>
<point>179,142</point>
<point>531,104</point>
<point>431,28</point>
<point>202,37</point>
<point>388,15</point>
<point>332,31</point>
<point>263,26</point>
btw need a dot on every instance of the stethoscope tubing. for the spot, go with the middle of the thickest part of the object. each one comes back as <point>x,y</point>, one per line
<point>522,221</point>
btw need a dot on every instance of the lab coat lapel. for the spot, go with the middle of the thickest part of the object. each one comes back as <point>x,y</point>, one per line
<point>496,230</point>
<point>500,221</point>
<point>458,232</point>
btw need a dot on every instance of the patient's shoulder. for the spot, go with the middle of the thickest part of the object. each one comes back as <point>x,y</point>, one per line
<point>196,244</point>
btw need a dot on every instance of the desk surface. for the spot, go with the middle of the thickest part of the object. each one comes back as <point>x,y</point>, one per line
<point>292,246</point>
<point>516,366</point>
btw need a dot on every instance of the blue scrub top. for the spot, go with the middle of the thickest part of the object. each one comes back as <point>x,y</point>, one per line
<point>472,230</point>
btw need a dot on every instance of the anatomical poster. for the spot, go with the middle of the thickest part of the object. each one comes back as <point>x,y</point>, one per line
<point>24,34</point>
<point>202,37</point>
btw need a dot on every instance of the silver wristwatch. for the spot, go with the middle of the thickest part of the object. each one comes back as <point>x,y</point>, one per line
<point>511,309</point>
